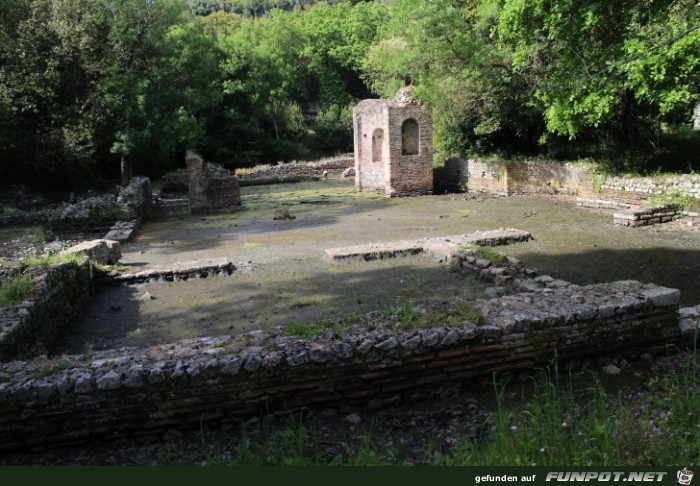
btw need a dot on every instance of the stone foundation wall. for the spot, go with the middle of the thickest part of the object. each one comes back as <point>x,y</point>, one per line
<point>489,177</point>
<point>647,216</point>
<point>640,188</point>
<point>132,392</point>
<point>211,188</point>
<point>290,172</point>
<point>604,204</point>
<point>531,177</point>
<point>33,326</point>
<point>133,203</point>
<point>507,177</point>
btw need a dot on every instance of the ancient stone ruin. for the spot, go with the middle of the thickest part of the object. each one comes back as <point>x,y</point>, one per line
<point>393,146</point>
<point>211,188</point>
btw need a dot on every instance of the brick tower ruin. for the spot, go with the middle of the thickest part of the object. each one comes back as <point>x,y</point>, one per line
<point>393,146</point>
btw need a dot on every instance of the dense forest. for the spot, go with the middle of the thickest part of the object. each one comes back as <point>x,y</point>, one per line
<point>87,86</point>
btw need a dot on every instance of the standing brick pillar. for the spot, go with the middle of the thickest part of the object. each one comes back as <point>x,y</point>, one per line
<point>393,146</point>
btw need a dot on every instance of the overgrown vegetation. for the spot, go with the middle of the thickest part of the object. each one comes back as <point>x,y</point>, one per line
<point>44,371</point>
<point>684,201</point>
<point>45,261</point>
<point>409,315</point>
<point>92,88</point>
<point>487,253</point>
<point>559,423</point>
<point>15,290</point>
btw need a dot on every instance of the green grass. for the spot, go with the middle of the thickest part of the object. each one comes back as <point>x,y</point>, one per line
<point>15,290</point>
<point>409,315</point>
<point>487,253</point>
<point>46,261</point>
<point>683,200</point>
<point>303,330</point>
<point>559,423</point>
<point>45,371</point>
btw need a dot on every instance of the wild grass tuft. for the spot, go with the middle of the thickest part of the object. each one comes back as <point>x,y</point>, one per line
<point>45,261</point>
<point>487,253</point>
<point>15,290</point>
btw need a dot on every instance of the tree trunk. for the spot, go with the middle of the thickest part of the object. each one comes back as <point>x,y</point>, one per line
<point>126,170</point>
<point>277,133</point>
<point>696,117</point>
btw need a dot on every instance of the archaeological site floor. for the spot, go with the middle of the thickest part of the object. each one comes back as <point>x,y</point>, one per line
<point>281,275</point>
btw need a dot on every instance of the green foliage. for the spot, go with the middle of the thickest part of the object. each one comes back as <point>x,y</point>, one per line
<point>15,290</point>
<point>87,86</point>
<point>683,200</point>
<point>560,423</point>
<point>617,83</point>
<point>303,330</point>
<point>487,253</point>
<point>45,261</point>
<point>47,370</point>
<point>409,315</point>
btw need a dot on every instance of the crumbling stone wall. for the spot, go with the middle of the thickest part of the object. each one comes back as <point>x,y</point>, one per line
<point>211,188</point>
<point>634,190</point>
<point>136,199</point>
<point>505,177</point>
<point>509,177</point>
<point>133,392</point>
<point>33,326</point>
<point>393,148</point>
<point>295,171</point>
<point>133,203</point>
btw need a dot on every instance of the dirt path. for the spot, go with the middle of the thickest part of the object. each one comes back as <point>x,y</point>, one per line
<point>284,278</point>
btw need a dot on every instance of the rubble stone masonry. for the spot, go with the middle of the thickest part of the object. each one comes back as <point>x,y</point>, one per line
<point>133,392</point>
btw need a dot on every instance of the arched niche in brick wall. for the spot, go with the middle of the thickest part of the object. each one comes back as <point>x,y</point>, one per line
<point>377,143</point>
<point>410,137</point>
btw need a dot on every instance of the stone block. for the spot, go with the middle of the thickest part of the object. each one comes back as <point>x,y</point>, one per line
<point>105,252</point>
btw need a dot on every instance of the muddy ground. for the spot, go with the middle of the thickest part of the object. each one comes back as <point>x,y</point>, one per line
<point>283,278</point>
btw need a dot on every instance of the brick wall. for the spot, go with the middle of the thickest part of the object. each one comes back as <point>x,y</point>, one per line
<point>388,168</point>
<point>132,392</point>
<point>369,115</point>
<point>410,174</point>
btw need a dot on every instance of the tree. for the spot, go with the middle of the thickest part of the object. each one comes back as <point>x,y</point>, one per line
<point>446,48</point>
<point>616,68</point>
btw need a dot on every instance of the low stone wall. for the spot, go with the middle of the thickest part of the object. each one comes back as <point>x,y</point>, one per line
<point>509,177</point>
<point>132,392</point>
<point>33,326</point>
<point>505,177</point>
<point>647,216</point>
<point>635,188</point>
<point>591,203</point>
<point>134,203</point>
<point>288,172</point>
<point>178,271</point>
